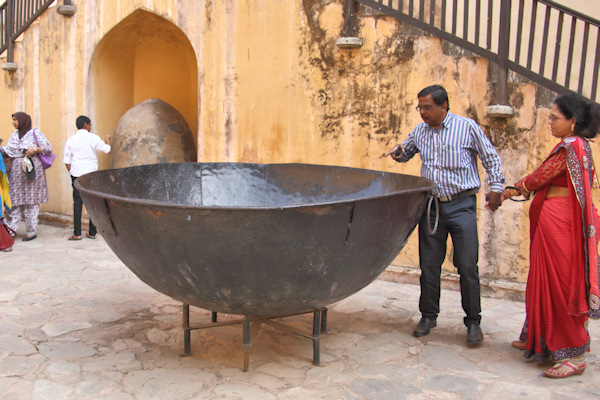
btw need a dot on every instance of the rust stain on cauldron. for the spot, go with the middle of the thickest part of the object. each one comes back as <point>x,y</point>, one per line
<point>156,214</point>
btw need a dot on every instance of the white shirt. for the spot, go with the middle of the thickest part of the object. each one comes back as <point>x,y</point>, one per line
<point>80,152</point>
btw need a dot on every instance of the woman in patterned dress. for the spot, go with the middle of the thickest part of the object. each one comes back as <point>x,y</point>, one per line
<point>26,194</point>
<point>562,286</point>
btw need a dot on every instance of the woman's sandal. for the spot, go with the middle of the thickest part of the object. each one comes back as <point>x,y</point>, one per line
<point>73,237</point>
<point>519,344</point>
<point>90,236</point>
<point>565,369</point>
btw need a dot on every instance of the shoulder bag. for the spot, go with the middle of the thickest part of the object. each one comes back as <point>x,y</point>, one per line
<point>46,160</point>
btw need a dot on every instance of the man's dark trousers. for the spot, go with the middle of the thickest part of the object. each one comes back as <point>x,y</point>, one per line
<point>459,219</point>
<point>77,207</point>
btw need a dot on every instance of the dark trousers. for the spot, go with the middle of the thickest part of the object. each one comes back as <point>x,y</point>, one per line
<point>459,219</point>
<point>77,207</point>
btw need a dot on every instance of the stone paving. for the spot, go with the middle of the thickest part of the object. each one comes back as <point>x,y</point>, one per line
<point>75,323</point>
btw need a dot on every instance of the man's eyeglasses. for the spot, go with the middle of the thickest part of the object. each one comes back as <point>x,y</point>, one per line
<point>428,107</point>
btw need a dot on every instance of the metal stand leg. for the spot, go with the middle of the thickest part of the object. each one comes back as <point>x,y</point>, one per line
<point>324,320</point>
<point>316,337</point>
<point>246,342</point>
<point>186,330</point>
<point>251,327</point>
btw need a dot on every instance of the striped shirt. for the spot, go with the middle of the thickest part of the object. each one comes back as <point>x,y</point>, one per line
<point>449,155</point>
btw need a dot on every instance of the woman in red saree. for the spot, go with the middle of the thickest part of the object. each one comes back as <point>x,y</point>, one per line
<point>562,286</point>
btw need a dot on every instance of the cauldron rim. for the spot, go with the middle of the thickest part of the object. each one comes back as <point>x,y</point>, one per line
<point>109,196</point>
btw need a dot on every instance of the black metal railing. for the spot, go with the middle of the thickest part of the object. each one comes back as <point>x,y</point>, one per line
<point>16,16</point>
<point>546,42</point>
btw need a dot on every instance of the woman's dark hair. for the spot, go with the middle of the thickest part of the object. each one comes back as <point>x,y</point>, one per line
<point>586,113</point>
<point>438,94</point>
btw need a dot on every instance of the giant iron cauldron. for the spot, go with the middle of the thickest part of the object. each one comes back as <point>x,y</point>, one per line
<point>254,239</point>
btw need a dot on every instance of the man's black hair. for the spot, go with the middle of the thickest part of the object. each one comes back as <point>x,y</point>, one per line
<point>82,120</point>
<point>438,94</point>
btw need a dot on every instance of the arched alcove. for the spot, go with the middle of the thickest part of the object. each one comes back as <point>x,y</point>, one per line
<point>144,56</point>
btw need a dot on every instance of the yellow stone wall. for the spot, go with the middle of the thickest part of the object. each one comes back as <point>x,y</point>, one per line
<point>263,81</point>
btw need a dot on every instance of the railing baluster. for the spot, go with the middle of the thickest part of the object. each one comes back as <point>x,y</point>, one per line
<point>19,17</point>
<point>519,31</point>
<point>571,51</point>
<point>432,12</point>
<point>15,20</point>
<point>14,12</point>
<point>561,16</point>
<point>422,10</point>
<point>411,7</point>
<point>24,10</point>
<point>531,34</point>
<point>3,21</point>
<point>503,48</point>
<point>586,34</point>
<point>477,21</point>
<point>490,24</point>
<point>545,41</point>
<point>596,67</point>
<point>454,16</point>
<point>10,56</point>
<point>443,25</point>
<point>466,21</point>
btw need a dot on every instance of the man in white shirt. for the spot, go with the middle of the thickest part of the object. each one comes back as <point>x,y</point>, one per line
<point>80,158</point>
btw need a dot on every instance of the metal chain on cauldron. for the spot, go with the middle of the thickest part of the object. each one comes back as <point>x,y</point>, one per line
<point>433,230</point>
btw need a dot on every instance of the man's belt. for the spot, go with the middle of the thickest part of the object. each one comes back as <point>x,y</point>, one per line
<point>459,195</point>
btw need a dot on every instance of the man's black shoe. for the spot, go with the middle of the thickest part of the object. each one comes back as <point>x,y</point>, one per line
<point>424,326</point>
<point>474,334</point>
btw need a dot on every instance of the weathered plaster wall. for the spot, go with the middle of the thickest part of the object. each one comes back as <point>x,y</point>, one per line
<point>270,85</point>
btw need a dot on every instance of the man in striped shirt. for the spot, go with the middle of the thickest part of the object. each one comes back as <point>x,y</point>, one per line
<point>449,146</point>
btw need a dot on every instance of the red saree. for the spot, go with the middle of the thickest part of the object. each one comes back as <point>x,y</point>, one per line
<point>562,286</point>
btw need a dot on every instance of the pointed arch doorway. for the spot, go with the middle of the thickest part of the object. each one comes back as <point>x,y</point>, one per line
<point>144,56</point>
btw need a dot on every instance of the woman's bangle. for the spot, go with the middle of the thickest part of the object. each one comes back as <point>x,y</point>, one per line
<point>508,193</point>
<point>513,191</point>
